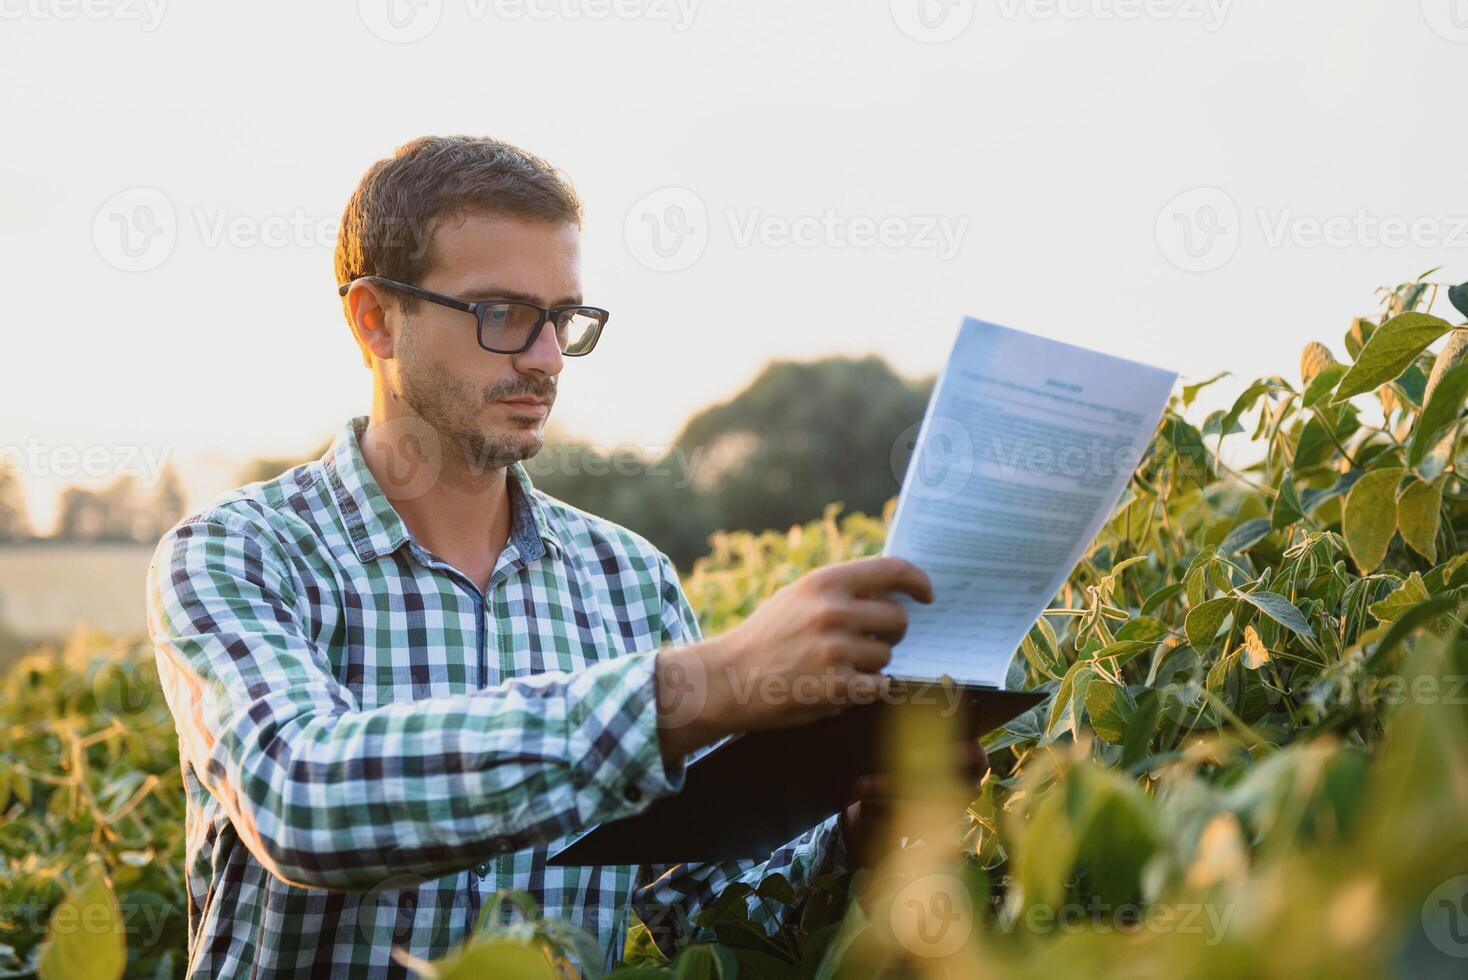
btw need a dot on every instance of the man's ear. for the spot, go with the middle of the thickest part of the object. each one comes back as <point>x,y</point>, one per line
<point>367,311</point>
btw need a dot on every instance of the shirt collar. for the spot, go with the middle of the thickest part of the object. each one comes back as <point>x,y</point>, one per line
<point>375,527</point>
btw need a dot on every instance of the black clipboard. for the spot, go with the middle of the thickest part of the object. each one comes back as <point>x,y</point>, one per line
<point>760,790</point>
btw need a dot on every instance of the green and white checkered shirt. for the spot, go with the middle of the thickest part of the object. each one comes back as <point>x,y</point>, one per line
<point>371,746</point>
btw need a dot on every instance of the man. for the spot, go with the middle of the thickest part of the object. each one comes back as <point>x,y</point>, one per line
<point>402,676</point>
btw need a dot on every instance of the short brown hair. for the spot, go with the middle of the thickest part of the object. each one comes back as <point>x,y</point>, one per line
<point>388,223</point>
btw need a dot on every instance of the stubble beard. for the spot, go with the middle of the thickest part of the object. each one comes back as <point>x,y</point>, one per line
<point>454,409</point>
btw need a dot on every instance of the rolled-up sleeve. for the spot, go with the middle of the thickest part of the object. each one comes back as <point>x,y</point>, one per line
<point>327,794</point>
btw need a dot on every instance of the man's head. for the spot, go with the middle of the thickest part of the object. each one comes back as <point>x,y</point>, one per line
<point>475,219</point>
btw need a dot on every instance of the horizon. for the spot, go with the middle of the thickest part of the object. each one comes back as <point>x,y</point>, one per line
<point>1073,170</point>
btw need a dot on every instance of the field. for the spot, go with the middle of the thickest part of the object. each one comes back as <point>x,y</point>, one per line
<point>47,588</point>
<point>1251,762</point>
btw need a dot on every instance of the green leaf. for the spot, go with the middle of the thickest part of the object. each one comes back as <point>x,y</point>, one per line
<point>641,947</point>
<point>1440,579</point>
<point>1390,351</point>
<point>1243,403</point>
<point>1408,622</point>
<point>498,958</point>
<point>1315,445</point>
<point>1281,610</point>
<point>1108,582</point>
<point>1323,384</point>
<point>1218,674</point>
<point>20,785</point>
<point>1043,651</point>
<point>705,962</point>
<point>84,937</point>
<point>746,935</point>
<point>1356,337</point>
<point>1122,650</point>
<point>1419,512</point>
<point>1311,498</point>
<point>1110,709</point>
<point>1402,598</point>
<point>1060,707</point>
<point>1287,506</point>
<point>755,965</point>
<point>1143,628</point>
<point>1142,727</point>
<point>1191,391</point>
<point>1119,832</point>
<point>1246,534</point>
<point>1370,517</point>
<point>1187,442</point>
<point>1046,852</point>
<point>1203,621</point>
<point>1196,582</point>
<point>1458,296</point>
<point>730,906</point>
<point>1415,292</point>
<point>1411,386</point>
<point>1213,424</point>
<point>777,888</point>
<point>1442,410</point>
<point>1157,598</point>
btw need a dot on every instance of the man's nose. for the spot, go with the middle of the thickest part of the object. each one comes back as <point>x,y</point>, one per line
<point>544,356</point>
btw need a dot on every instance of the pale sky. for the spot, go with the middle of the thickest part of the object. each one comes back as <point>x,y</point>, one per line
<point>1200,184</point>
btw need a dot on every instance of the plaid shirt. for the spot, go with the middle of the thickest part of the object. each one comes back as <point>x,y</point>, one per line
<point>371,746</point>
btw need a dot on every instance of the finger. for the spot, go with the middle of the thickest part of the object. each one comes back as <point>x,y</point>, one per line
<point>863,688</point>
<point>882,618</point>
<point>865,577</point>
<point>866,655</point>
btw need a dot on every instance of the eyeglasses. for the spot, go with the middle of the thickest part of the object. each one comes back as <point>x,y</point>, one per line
<point>509,326</point>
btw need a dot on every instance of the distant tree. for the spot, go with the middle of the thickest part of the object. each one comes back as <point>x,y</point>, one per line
<point>801,435</point>
<point>163,509</point>
<point>626,487</point>
<point>121,511</point>
<point>108,514</point>
<point>270,468</point>
<point>15,523</point>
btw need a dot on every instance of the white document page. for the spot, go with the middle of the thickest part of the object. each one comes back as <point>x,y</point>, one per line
<point>1024,451</point>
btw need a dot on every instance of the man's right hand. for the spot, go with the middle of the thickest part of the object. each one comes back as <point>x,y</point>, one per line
<point>814,648</point>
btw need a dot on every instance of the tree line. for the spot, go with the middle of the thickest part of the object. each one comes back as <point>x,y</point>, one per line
<point>801,435</point>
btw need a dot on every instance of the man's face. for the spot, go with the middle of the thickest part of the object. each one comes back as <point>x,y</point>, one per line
<point>465,392</point>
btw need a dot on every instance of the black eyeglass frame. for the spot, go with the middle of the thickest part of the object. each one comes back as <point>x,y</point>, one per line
<point>480,307</point>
